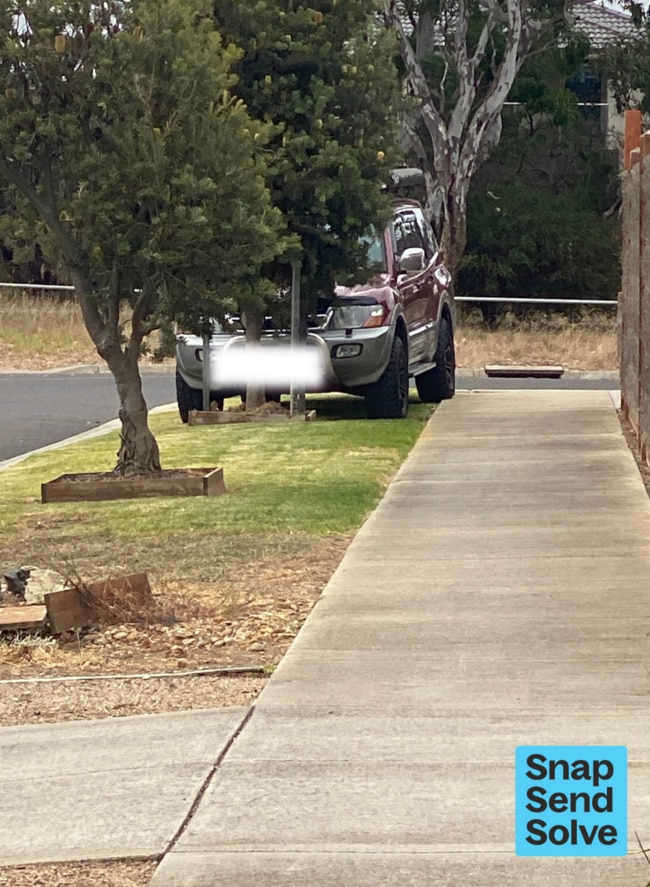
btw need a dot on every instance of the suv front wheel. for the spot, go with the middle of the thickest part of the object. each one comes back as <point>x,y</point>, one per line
<point>388,398</point>
<point>440,382</point>
<point>192,398</point>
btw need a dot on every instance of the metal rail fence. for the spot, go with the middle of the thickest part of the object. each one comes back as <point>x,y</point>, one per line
<point>36,286</point>
<point>505,300</point>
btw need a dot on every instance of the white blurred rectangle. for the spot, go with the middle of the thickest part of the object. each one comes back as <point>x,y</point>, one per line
<point>274,366</point>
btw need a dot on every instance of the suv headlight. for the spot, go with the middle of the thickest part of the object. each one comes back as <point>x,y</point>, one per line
<point>356,315</point>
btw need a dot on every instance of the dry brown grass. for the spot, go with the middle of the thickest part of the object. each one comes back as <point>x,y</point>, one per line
<point>120,873</point>
<point>584,342</point>
<point>42,333</point>
<point>34,332</point>
<point>51,703</point>
<point>248,615</point>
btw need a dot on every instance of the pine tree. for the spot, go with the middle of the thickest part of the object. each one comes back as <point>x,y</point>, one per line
<point>321,75</point>
<point>129,157</point>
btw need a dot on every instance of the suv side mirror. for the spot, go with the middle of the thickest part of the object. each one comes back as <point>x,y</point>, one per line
<point>412,260</point>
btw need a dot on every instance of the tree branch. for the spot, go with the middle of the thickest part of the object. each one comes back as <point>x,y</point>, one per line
<point>89,311</point>
<point>47,212</point>
<point>431,116</point>
<point>113,308</point>
<point>431,208</point>
<point>484,39</point>
<point>487,114</point>
<point>414,70</point>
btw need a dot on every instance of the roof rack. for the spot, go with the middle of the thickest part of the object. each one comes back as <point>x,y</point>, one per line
<point>405,177</point>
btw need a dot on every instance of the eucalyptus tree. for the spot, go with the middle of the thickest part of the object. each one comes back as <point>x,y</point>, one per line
<point>321,74</point>
<point>460,59</point>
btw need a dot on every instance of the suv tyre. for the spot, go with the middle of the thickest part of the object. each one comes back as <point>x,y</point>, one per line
<point>388,398</point>
<point>440,382</point>
<point>191,398</point>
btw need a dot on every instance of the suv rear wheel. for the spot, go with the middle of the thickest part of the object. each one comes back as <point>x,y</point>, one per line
<point>440,382</point>
<point>388,398</point>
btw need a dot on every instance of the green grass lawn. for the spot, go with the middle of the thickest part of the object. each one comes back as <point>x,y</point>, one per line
<point>288,484</point>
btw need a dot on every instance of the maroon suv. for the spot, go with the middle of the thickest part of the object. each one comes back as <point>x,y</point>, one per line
<point>372,338</point>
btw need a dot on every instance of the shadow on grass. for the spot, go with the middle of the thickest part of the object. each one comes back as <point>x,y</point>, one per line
<point>332,407</point>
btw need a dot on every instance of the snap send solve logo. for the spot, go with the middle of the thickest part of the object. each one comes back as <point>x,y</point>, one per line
<point>571,800</point>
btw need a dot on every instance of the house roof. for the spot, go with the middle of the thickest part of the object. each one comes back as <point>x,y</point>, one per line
<point>602,24</point>
<point>599,22</point>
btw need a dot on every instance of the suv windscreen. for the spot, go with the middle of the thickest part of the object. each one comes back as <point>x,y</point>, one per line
<point>375,253</point>
<point>407,232</point>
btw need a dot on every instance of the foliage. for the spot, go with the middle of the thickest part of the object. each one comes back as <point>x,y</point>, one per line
<point>544,104</point>
<point>627,63</point>
<point>321,75</point>
<point>524,242</point>
<point>128,157</point>
<point>539,214</point>
<point>460,60</point>
<point>131,135</point>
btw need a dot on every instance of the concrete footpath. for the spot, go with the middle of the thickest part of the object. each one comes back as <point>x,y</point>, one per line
<point>498,596</point>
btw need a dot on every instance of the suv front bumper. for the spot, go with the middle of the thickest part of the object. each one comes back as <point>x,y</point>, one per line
<point>348,359</point>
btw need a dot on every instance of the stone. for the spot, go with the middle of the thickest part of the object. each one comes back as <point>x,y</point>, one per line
<point>42,581</point>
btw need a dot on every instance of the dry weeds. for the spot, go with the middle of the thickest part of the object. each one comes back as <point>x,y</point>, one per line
<point>633,443</point>
<point>585,343</point>
<point>51,703</point>
<point>42,333</point>
<point>122,873</point>
<point>248,617</point>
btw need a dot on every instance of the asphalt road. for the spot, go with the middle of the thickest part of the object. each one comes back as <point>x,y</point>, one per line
<point>38,409</point>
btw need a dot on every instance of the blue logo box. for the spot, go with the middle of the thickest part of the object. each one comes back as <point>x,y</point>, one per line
<point>571,800</point>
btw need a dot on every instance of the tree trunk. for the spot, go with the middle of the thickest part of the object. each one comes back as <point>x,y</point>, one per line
<point>255,392</point>
<point>452,139</point>
<point>138,453</point>
<point>455,231</point>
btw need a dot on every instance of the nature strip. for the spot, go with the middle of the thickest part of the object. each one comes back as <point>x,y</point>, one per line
<point>223,672</point>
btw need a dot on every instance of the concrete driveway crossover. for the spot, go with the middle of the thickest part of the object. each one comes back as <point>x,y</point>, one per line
<point>498,596</point>
<point>106,789</point>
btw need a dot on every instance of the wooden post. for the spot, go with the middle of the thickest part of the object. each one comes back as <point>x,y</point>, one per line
<point>632,135</point>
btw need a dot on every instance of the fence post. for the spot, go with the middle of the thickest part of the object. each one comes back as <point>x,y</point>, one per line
<point>629,307</point>
<point>633,125</point>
